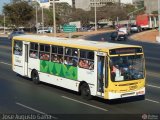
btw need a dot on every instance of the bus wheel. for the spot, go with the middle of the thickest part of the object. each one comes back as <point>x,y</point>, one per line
<point>85,91</point>
<point>35,77</point>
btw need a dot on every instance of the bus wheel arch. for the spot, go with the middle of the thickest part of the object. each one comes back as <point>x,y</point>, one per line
<point>84,90</point>
<point>35,76</point>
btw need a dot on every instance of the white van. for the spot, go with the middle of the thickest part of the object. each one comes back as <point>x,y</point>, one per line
<point>45,30</point>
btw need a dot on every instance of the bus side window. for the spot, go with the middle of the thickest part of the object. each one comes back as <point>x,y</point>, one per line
<point>44,52</point>
<point>33,53</point>
<point>18,48</point>
<point>86,60</point>
<point>71,56</point>
<point>57,54</point>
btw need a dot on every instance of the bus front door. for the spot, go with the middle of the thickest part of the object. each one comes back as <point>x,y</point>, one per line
<point>100,74</point>
<point>26,59</point>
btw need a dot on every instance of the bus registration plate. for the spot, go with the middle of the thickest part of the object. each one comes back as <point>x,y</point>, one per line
<point>127,94</point>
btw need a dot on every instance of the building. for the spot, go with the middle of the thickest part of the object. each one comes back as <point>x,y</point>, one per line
<point>136,3</point>
<point>88,4</point>
<point>48,3</point>
<point>126,1</point>
<point>82,4</point>
<point>151,5</point>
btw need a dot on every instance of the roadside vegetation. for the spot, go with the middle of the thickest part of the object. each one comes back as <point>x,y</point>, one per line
<point>20,13</point>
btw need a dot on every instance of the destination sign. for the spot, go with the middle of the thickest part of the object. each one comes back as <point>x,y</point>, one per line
<point>125,51</point>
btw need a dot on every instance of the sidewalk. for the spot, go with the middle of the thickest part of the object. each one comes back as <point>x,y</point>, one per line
<point>147,36</point>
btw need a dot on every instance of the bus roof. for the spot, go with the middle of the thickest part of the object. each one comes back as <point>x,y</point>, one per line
<point>74,43</point>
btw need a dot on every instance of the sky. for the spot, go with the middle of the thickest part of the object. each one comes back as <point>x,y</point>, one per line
<point>2,2</point>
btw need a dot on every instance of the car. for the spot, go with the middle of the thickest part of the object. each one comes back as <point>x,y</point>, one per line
<point>125,30</point>
<point>135,28</point>
<point>118,36</point>
<point>15,33</point>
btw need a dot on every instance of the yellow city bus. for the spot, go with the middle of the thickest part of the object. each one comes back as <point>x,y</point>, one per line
<point>102,69</point>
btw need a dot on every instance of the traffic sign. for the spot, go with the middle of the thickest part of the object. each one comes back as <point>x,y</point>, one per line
<point>44,1</point>
<point>69,28</point>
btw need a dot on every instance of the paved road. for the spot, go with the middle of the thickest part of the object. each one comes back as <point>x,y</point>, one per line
<point>20,95</point>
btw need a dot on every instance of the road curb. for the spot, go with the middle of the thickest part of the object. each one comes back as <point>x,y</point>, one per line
<point>133,37</point>
<point>158,39</point>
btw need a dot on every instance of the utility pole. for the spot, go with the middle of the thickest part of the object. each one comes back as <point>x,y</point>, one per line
<point>54,18</point>
<point>119,2</point>
<point>159,17</point>
<point>95,10</point>
<point>4,24</point>
<point>36,19</point>
<point>42,21</point>
<point>149,8</point>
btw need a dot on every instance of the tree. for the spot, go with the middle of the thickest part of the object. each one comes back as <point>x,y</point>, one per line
<point>83,16</point>
<point>111,12</point>
<point>63,13</point>
<point>19,13</point>
<point>155,12</point>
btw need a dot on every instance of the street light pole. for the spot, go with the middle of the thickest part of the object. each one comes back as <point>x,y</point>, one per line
<point>36,20</point>
<point>42,21</point>
<point>54,18</point>
<point>95,10</point>
<point>4,24</point>
<point>159,17</point>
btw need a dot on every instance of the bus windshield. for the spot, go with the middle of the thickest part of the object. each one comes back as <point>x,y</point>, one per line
<point>124,68</point>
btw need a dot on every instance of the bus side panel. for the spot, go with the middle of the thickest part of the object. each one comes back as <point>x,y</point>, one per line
<point>33,64</point>
<point>58,69</point>
<point>89,76</point>
<point>59,81</point>
<point>18,62</point>
<point>59,74</point>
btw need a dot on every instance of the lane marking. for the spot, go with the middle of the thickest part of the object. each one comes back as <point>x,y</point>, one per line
<point>6,63</point>
<point>84,103</point>
<point>152,101</point>
<point>22,105</point>
<point>153,74</point>
<point>153,86</point>
<point>6,47</point>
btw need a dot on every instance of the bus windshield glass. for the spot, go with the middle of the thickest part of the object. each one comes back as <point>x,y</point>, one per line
<point>124,68</point>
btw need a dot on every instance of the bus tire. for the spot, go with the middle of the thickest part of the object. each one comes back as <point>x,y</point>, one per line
<point>85,91</point>
<point>35,77</point>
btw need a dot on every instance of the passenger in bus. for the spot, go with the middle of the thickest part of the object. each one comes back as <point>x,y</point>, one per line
<point>18,51</point>
<point>115,72</point>
<point>68,61</point>
<point>44,56</point>
<point>54,58</point>
<point>81,63</point>
<point>134,73</point>
<point>91,65</point>
<point>75,60</point>
<point>33,54</point>
<point>60,59</point>
<point>86,64</point>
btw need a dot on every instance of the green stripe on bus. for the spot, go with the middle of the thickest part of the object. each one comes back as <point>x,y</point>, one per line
<point>61,70</point>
